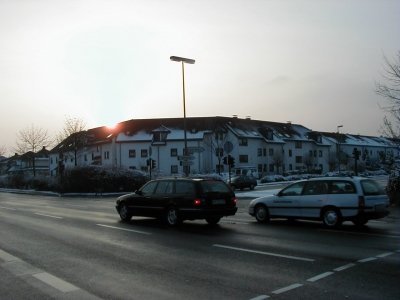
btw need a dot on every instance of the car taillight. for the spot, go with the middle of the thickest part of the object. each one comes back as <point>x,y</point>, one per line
<point>197,202</point>
<point>234,200</point>
<point>361,202</point>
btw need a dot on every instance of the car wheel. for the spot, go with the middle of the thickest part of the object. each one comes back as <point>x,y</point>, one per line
<point>213,220</point>
<point>331,217</point>
<point>124,213</point>
<point>171,216</point>
<point>261,213</point>
<point>360,221</point>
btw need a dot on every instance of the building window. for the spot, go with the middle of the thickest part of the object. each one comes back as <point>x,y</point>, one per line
<point>320,153</point>
<point>271,167</point>
<point>315,153</point>
<point>242,142</point>
<point>159,137</point>
<point>290,167</point>
<point>174,169</point>
<point>143,153</point>
<point>106,155</point>
<point>132,153</point>
<point>259,152</point>
<point>271,152</point>
<point>85,157</point>
<point>290,153</point>
<point>298,145</point>
<point>219,152</point>
<point>299,159</point>
<point>243,158</point>
<point>259,168</point>
<point>174,152</point>
<point>265,152</point>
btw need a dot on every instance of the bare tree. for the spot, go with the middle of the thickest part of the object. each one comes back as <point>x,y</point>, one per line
<point>71,126</point>
<point>391,91</point>
<point>32,139</point>
<point>74,128</point>
<point>3,150</point>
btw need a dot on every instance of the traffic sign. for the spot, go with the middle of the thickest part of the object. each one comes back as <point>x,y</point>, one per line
<point>195,149</point>
<point>185,157</point>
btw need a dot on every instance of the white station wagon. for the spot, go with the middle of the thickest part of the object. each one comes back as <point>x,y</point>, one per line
<point>331,199</point>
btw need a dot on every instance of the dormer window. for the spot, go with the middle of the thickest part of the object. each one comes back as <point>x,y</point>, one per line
<point>160,135</point>
<point>270,135</point>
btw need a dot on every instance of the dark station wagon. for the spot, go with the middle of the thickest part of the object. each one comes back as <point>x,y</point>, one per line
<point>177,199</point>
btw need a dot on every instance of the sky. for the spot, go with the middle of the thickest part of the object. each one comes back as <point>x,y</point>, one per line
<point>311,62</point>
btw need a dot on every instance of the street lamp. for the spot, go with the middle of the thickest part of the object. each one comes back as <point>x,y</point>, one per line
<point>338,141</point>
<point>183,60</point>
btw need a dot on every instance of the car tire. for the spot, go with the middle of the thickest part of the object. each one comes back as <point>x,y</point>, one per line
<point>213,220</point>
<point>124,213</point>
<point>172,216</point>
<point>261,213</point>
<point>331,217</point>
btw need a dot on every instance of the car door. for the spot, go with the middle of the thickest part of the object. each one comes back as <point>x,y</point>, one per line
<point>314,197</point>
<point>138,204</point>
<point>286,202</point>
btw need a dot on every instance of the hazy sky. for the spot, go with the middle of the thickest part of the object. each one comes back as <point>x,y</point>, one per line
<point>310,62</point>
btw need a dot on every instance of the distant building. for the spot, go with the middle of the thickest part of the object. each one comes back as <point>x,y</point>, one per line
<point>269,147</point>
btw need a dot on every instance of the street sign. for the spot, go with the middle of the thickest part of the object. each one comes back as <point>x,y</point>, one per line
<point>228,147</point>
<point>195,149</point>
<point>185,157</point>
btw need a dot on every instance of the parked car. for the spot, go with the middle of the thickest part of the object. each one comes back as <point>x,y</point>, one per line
<point>272,178</point>
<point>329,199</point>
<point>243,181</point>
<point>179,199</point>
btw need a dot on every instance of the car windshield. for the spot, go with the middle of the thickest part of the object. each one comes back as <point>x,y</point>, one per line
<point>371,188</point>
<point>214,187</point>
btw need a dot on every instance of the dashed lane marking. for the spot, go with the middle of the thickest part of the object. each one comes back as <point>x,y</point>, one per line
<point>385,254</point>
<point>56,282</point>
<point>287,288</point>
<point>320,276</point>
<point>261,297</point>
<point>124,229</point>
<point>49,216</point>
<point>366,259</point>
<point>264,253</point>
<point>345,267</point>
<point>8,208</point>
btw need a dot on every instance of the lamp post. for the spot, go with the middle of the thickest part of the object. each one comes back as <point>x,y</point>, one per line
<point>183,60</point>
<point>338,141</point>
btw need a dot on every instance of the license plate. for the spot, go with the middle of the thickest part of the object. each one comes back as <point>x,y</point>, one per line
<point>218,201</point>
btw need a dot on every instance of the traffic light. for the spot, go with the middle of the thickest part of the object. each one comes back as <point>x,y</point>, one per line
<point>148,161</point>
<point>153,164</point>
<point>225,160</point>
<point>231,161</point>
<point>356,153</point>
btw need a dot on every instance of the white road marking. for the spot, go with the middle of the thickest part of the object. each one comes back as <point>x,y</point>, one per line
<point>367,259</point>
<point>385,254</point>
<point>264,253</point>
<point>50,216</point>
<point>124,229</point>
<point>261,297</point>
<point>7,257</point>
<point>361,233</point>
<point>9,208</point>
<point>345,267</point>
<point>288,288</point>
<point>56,282</point>
<point>320,276</point>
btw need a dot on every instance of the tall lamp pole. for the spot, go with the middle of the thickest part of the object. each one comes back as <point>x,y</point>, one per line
<point>338,140</point>
<point>183,60</point>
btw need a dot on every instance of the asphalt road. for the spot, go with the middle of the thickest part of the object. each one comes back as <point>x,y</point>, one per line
<point>76,248</point>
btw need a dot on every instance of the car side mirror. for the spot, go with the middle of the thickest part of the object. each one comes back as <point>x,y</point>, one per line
<point>138,192</point>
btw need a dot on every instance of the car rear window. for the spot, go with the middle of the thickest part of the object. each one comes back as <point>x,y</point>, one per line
<point>371,188</point>
<point>211,186</point>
